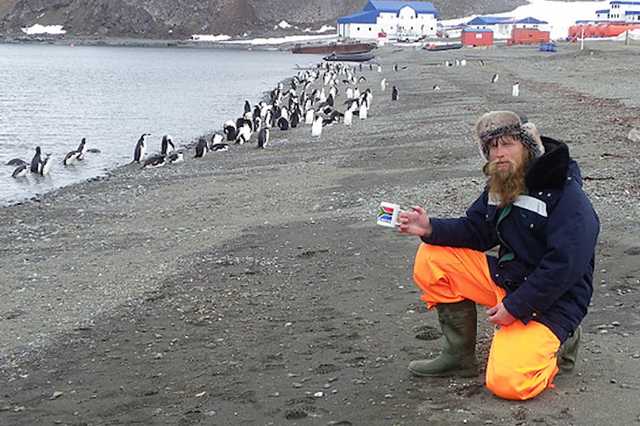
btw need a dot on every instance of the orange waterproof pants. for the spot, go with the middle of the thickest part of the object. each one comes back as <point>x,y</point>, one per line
<point>522,361</point>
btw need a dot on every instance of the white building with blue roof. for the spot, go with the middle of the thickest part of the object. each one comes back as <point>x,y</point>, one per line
<point>502,26</point>
<point>398,19</point>
<point>620,11</point>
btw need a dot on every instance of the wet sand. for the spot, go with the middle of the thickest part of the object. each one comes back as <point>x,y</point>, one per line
<point>253,286</point>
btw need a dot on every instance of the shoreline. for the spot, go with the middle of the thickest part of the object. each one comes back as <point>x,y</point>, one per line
<point>254,278</point>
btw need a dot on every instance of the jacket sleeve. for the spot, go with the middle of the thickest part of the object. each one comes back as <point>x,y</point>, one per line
<point>471,231</point>
<point>572,231</point>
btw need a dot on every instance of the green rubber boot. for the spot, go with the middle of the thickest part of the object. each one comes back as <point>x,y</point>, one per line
<point>458,357</point>
<point>568,352</point>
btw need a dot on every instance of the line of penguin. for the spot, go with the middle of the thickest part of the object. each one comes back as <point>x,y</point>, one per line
<point>305,102</point>
<point>310,99</point>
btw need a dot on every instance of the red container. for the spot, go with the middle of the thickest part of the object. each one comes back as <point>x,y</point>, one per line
<point>529,36</point>
<point>476,38</point>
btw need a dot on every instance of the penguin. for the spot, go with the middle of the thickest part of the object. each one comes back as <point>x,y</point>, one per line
<point>138,152</point>
<point>481,63</point>
<point>395,67</point>
<point>515,89</point>
<point>283,123</point>
<point>263,137</point>
<point>383,84</point>
<point>175,157</point>
<point>495,78</point>
<point>71,157</point>
<point>45,166</point>
<point>82,149</point>
<point>154,161</point>
<point>36,160</point>
<point>164,145</point>
<point>379,68</point>
<point>244,134</point>
<point>362,78</point>
<point>295,119</point>
<point>230,130</point>
<point>247,107</point>
<point>349,93</point>
<point>20,171</point>
<point>363,112</point>
<point>220,147</point>
<point>316,127</point>
<point>201,148</point>
<point>436,88</point>
<point>463,62</point>
<point>308,118</point>
<point>348,117</point>
<point>16,162</point>
<point>216,139</point>
<point>394,93</point>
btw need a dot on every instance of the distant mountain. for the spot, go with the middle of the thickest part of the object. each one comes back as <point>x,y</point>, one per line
<point>168,19</point>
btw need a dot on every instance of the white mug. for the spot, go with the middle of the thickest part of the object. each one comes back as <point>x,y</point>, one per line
<point>388,214</point>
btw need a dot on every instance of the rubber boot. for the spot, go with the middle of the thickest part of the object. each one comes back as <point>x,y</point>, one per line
<point>568,352</point>
<point>458,357</point>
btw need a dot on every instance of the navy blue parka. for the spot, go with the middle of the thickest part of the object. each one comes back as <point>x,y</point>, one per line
<point>546,242</point>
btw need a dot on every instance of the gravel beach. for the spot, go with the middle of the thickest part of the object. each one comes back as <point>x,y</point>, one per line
<point>253,286</point>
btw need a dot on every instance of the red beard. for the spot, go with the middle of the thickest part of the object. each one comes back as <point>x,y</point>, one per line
<point>505,184</point>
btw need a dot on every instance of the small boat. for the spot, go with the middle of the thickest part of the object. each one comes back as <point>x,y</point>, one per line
<point>333,48</point>
<point>433,47</point>
<point>350,57</point>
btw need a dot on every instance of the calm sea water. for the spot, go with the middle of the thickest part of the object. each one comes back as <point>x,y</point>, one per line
<point>53,96</point>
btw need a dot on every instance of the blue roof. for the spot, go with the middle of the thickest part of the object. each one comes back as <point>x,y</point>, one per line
<point>602,11</point>
<point>395,6</point>
<point>369,17</point>
<point>531,20</point>
<point>477,30</point>
<point>489,20</point>
<point>632,12</point>
<point>624,2</point>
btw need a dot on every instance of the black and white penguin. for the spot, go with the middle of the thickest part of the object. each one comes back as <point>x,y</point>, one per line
<point>20,171</point>
<point>230,130</point>
<point>16,162</point>
<point>244,134</point>
<point>165,144</point>
<point>82,149</point>
<point>36,160</point>
<point>175,157</point>
<point>263,137</point>
<point>436,88</point>
<point>515,89</point>
<point>394,93</point>
<point>216,138</point>
<point>383,84</point>
<point>283,123</point>
<point>220,147</point>
<point>395,67</point>
<point>201,148</point>
<point>495,78</point>
<point>247,107</point>
<point>316,127</point>
<point>71,157</point>
<point>295,118</point>
<point>45,166</point>
<point>138,152</point>
<point>154,161</point>
<point>362,78</point>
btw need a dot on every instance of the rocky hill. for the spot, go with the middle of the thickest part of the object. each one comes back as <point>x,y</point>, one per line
<point>181,18</point>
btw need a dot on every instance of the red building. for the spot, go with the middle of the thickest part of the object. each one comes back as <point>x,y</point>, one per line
<point>529,36</point>
<point>477,37</point>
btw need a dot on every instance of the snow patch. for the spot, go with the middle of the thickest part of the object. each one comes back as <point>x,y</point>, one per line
<point>282,40</point>
<point>210,37</point>
<point>560,15</point>
<point>325,28</point>
<point>284,25</point>
<point>43,29</point>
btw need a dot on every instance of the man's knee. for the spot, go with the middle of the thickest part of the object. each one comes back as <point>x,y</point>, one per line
<point>510,383</point>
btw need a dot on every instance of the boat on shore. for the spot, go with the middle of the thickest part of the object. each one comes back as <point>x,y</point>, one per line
<point>333,48</point>
<point>350,57</point>
<point>434,47</point>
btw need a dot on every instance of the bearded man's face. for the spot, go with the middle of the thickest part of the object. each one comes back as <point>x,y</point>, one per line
<point>506,168</point>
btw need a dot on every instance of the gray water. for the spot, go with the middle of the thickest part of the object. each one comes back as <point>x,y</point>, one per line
<point>53,96</point>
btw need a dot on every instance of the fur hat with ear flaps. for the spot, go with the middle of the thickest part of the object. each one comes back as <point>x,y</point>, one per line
<point>495,124</point>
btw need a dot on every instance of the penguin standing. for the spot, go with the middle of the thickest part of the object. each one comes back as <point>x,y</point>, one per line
<point>348,117</point>
<point>383,84</point>
<point>201,148</point>
<point>495,78</point>
<point>20,171</point>
<point>230,130</point>
<point>363,112</point>
<point>82,149</point>
<point>263,138</point>
<point>295,118</point>
<point>36,160</point>
<point>515,89</point>
<point>165,144</point>
<point>216,139</point>
<point>316,127</point>
<point>138,152</point>
<point>308,118</point>
<point>45,166</point>
<point>436,88</point>
<point>379,68</point>
<point>394,93</point>
<point>247,107</point>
